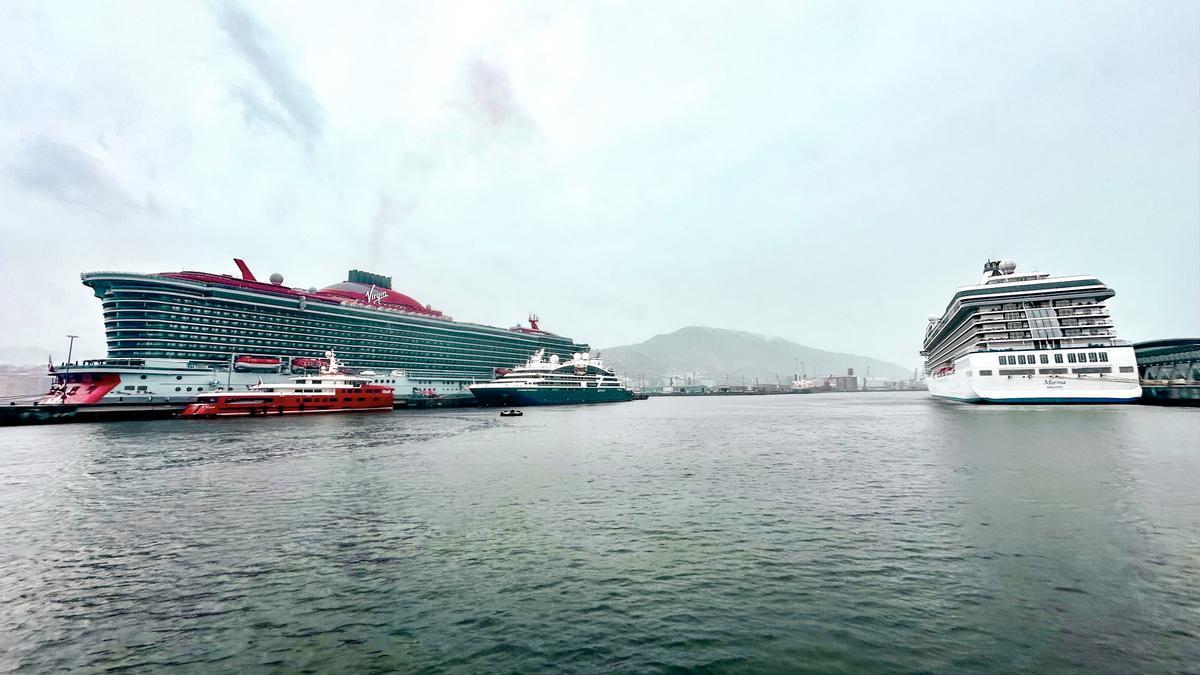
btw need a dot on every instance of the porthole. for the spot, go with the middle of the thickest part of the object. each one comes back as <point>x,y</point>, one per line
<point>189,388</point>
<point>143,377</point>
<point>179,377</point>
<point>176,388</point>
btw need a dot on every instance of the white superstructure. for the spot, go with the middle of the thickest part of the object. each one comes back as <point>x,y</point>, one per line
<point>545,381</point>
<point>1029,338</point>
<point>582,370</point>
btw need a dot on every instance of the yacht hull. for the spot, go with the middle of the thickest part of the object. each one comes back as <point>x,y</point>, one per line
<point>512,396</point>
<point>1031,384</point>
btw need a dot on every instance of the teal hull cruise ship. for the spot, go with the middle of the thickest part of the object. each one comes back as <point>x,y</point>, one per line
<point>179,334</point>
<point>551,381</point>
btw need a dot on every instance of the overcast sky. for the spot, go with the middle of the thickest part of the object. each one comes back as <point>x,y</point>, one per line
<point>825,172</point>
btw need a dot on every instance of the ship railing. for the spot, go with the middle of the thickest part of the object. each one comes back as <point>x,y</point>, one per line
<point>114,362</point>
<point>394,310</point>
<point>85,275</point>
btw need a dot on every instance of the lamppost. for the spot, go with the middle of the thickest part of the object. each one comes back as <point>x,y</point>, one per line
<point>70,350</point>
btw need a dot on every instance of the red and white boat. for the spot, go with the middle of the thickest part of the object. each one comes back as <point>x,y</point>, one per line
<point>330,391</point>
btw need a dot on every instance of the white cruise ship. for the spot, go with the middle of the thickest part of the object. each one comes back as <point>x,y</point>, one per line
<point>1029,338</point>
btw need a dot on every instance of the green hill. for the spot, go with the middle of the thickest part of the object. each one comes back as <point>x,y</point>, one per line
<point>715,353</point>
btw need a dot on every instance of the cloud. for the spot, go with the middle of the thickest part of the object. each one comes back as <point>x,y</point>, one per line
<point>389,215</point>
<point>490,97</point>
<point>66,174</point>
<point>258,112</point>
<point>299,112</point>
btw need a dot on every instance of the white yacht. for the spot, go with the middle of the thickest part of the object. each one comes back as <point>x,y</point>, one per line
<point>550,381</point>
<point>1029,338</point>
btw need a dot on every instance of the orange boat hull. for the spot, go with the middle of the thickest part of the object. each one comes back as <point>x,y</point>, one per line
<point>226,405</point>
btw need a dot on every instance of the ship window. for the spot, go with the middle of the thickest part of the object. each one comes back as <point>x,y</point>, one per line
<point>1126,369</point>
<point>189,388</point>
<point>1092,357</point>
<point>178,389</point>
<point>1043,358</point>
<point>129,388</point>
<point>985,372</point>
<point>143,377</point>
<point>1021,359</point>
<point>1058,358</point>
<point>179,377</point>
<point>1071,357</point>
<point>1104,357</point>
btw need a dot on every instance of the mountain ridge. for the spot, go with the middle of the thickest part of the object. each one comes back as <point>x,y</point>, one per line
<point>722,354</point>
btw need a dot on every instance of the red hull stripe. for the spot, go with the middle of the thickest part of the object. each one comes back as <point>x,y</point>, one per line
<point>249,413</point>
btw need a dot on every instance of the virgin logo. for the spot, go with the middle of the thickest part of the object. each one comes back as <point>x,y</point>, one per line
<point>375,295</point>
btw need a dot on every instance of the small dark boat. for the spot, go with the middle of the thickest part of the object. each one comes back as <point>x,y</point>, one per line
<point>511,413</point>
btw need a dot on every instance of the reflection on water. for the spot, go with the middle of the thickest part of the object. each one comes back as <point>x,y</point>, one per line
<point>819,532</point>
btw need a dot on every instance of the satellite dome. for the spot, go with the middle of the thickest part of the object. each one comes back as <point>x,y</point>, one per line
<point>1008,266</point>
<point>554,358</point>
<point>277,278</point>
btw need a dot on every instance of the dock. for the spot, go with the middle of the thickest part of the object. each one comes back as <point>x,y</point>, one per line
<point>16,414</point>
<point>1169,371</point>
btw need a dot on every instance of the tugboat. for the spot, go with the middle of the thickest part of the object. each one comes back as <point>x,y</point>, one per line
<point>551,381</point>
<point>330,391</point>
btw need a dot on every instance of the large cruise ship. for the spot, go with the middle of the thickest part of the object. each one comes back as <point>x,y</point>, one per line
<point>174,335</point>
<point>1029,338</point>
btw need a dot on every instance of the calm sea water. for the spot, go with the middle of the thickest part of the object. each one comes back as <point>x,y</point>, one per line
<point>822,533</point>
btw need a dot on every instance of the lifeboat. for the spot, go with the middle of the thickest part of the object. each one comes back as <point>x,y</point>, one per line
<point>246,362</point>
<point>307,363</point>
